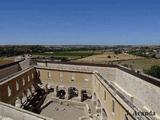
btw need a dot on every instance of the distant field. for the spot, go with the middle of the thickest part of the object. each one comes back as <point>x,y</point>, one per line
<point>96,57</point>
<point>6,60</point>
<point>123,59</point>
<point>107,57</point>
<point>67,54</point>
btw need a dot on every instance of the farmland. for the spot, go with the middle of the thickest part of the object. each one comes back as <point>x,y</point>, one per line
<point>127,60</point>
<point>67,54</point>
<point>145,63</point>
<point>108,57</point>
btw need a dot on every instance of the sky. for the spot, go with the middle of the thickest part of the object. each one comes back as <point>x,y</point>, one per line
<point>80,22</point>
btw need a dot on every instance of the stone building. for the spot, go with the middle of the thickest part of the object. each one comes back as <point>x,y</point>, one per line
<point>116,92</point>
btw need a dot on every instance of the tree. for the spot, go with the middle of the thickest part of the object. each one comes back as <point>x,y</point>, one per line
<point>117,52</point>
<point>153,71</point>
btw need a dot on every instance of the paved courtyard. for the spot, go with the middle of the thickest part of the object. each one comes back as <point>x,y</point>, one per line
<point>61,112</point>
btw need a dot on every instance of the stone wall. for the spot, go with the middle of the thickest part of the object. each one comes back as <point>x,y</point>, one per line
<point>144,93</point>
<point>106,96</point>
<point>25,63</point>
<point>8,70</point>
<point>18,85</point>
<point>141,92</point>
<point>66,78</point>
<point>51,74</point>
<point>107,72</point>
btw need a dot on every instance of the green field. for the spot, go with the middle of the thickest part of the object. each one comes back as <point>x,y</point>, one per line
<point>67,54</point>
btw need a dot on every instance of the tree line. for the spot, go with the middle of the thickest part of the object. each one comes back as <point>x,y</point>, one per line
<point>14,50</point>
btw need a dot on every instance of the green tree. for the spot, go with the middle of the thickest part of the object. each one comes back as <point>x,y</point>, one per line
<point>117,51</point>
<point>153,71</point>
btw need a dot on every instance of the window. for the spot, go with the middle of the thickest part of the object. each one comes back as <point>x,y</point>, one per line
<point>17,85</point>
<point>33,89</point>
<point>86,80</point>
<point>113,106</point>
<point>104,95</point>
<point>24,97</point>
<point>60,76</point>
<point>32,76</point>
<point>28,78</point>
<point>9,91</point>
<point>29,92</point>
<point>49,74</point>
<point>23,80</point>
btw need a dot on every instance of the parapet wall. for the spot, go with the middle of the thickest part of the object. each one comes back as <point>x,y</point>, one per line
<point>144,94</point>
<point>26,63</point>
<point>6,70</point>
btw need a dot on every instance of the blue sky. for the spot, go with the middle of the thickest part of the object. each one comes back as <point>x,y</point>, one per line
<point>99,22</point>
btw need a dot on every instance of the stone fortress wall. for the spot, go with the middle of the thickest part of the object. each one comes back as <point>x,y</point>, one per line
<point>104,83</point>
<point>107,72</point>
<point>144,95</point>
<point>18,86</point>
<point>59,74</point>
<point>109,103</point>
<point>18,81</point>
